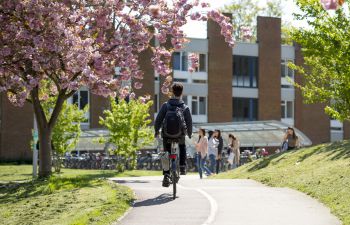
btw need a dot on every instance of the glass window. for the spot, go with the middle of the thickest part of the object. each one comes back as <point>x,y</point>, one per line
<point>202,105</point>
<point>194,105</point>
<point>202,62</point>
<point>180,80</point>
<point>245,71</point>
<point>184,61</point>
<point>287,109</point>
<point>81,99</point>
<point>245,109</point>
<point>285,70</point>
<point>199,81</point>
<point>283,110</point>
<point>176,61</point>
<point>184,98</point>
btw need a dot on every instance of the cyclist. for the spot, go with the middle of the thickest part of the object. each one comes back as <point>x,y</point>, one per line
<point>175,120</point>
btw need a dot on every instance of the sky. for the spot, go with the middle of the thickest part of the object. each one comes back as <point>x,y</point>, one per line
<point>198,29</point>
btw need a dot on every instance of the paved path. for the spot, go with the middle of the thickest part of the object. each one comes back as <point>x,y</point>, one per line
<point>221,202</point>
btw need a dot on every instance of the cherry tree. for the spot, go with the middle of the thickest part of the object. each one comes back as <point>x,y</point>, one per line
<point>51,48</point>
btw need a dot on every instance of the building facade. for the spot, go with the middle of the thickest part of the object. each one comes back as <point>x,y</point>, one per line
<point>249,82</point>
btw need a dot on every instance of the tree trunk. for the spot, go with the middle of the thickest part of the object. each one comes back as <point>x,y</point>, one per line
<point>45,160</point>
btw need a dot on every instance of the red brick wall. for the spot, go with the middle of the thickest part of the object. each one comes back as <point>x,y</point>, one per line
<point>97,105</point>
<point>148,79</point>
<point>219,76</point>
<point>16,131</point>
<point>269,39</point>
<point>346,130</point>
<point>310,118</point>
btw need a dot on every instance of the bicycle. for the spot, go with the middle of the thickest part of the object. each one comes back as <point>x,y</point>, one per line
<point>174,170</point>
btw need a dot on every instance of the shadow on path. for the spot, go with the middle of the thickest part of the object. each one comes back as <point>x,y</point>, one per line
<point>159,200</point>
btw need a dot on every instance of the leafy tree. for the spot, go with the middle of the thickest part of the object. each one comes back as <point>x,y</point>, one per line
<point>128,125</point>
<point>244,13</point>
<point>326,51</point>
<point>74,43</point>
<point>67,130</point>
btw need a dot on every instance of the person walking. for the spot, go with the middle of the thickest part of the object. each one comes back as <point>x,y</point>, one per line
<point>235,146</point>
<point>291,139</point>
<point>175,120</point>
<point>213,143</point>
<point>202,153</point>
<point>220,147</point>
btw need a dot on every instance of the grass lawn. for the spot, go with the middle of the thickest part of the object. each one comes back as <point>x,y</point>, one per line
<point>72,197</point>
<point>322,172</point>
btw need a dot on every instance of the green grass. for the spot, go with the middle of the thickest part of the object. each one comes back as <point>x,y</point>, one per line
<point>72,197</point>
<point>322,172</point>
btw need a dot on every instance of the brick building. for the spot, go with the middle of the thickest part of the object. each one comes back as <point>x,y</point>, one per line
<point>245,83</point>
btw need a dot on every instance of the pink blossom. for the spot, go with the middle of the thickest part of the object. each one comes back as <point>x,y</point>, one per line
<point>329,4</point>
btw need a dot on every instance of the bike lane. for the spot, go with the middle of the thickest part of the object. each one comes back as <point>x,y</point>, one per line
<point>221,202</point>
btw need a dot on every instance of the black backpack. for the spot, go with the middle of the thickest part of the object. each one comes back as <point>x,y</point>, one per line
<point>174,125</point>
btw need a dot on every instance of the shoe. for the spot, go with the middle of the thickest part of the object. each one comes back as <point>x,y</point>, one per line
<point>182,170</point>
<point>166,181</point>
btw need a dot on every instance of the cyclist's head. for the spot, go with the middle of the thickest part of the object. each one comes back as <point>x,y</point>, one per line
<point>177,89</point>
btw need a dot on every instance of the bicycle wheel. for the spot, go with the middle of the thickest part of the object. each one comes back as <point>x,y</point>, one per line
<point>174,183</point>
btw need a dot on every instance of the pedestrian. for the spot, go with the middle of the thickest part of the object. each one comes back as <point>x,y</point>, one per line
<point>213,143</point>
<point>202,153</point>
<point>235,145</point>
<point>291,139</point>
<point>220,147</point>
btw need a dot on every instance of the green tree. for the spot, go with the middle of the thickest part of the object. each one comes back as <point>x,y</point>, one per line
<point>128,126</point>
<point>67,130</point>
<point>326,50</point>
<point>244,13</point>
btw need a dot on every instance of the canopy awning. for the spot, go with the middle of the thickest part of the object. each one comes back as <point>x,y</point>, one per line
<point>250,134</point>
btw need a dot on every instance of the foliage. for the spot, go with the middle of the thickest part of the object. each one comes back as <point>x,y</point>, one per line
<point>75,43</point>
<point>244,13</point>
<point>326,51</point>
<point>319,171</point>
<point>127,123</point>
<point>67,130</point>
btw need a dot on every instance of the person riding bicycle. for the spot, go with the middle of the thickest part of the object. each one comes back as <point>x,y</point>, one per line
<point>175,120</point>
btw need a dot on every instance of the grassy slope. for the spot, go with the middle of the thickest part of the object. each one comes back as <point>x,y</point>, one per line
<point>72,197</point>
<point>322,172</point>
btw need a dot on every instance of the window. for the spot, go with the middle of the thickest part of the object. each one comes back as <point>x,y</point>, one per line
<point>184,98</point>
<point>202,62</point>
<point>285,70</point>
<point>245,71</point>
<point>199,81</point>
<point>180,80</point>
<point>184,61</point>
<point>176,61</point>
<point>180,62</point>
<point>81,99</point>
<point>245,109</point>
<point>199,105</point>
<point>287,109</point>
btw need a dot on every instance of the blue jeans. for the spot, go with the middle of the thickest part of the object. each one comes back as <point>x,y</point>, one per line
<point>212,160</point>
<point>201,165</point>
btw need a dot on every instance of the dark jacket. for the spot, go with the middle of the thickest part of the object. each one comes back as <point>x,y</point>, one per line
<point>161,115</point>
<point>220,146</point>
